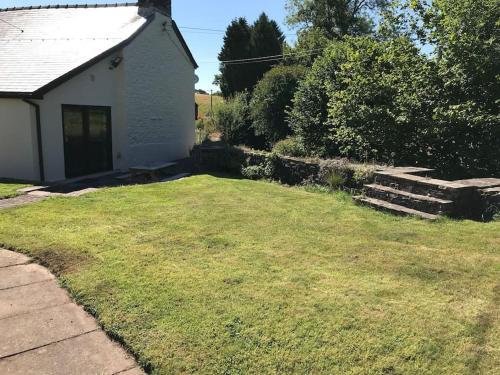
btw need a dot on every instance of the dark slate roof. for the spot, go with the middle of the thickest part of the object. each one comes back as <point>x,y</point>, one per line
<point>43,46</point>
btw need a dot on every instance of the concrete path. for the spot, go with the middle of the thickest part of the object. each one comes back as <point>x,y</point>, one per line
<point>19,201</point>
<point>43,332</point>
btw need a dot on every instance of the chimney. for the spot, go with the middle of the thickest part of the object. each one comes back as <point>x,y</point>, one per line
<point>162,6</point>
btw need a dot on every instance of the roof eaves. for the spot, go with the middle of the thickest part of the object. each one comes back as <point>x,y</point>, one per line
<point>184,44</point>
<point>18,95</point>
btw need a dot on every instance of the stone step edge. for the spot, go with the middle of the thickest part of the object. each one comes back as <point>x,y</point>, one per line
<point>440,184</point>
<point>419,197</point>
<point>393,208</point>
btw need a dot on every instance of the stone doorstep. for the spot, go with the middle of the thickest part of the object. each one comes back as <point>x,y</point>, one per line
<point>31,188</point>
<point>151,168</point>
<point>179,176</point>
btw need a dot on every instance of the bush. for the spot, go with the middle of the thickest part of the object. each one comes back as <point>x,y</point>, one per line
<point>339,173</point>
<point>271,98</point>
<point>232,120</point>
<point>376,103</point>
<point>309,111</point>
<point>289,147</point>
<point>384,100</point>
<point>254,172</point>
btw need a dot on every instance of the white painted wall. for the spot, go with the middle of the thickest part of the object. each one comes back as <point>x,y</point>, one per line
<point>18,145</point>
<point>97,86</point>
<point>159,95</point>
<point>152,99</point>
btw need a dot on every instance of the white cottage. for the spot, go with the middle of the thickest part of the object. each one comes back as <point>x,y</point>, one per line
<point>92,88</point>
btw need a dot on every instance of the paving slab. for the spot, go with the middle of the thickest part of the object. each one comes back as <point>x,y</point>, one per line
<point>42,327</point>
<point>11,277</point>
<point>91,353</point>
<point>43,332</point>
<point>10,258</point>
<point>19,201</point>
<point>28,298</point>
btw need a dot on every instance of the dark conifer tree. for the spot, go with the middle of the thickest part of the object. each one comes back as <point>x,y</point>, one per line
<point>236,46</point>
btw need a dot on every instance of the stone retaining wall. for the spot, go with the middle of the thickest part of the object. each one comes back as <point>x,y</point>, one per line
<point>287,170</point>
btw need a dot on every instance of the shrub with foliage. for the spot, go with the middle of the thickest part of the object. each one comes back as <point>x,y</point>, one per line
<point>309,111</point>
<point>232,119</point>
<point>271,98</point>
<point>467,119</point>
<point>384,100</point>
<point>289,147</point>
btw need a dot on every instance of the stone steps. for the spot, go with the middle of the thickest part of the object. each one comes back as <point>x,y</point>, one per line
<point>419,185</point>
<point>424,203</point>
<point>396,209</point>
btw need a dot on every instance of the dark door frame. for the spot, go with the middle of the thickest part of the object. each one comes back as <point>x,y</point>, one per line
<point>85,110</point>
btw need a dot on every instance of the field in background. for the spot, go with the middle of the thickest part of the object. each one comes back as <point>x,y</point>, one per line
<point>204,103</point>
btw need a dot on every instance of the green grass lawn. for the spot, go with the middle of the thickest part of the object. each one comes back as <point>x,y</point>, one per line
<point>220,276</point>
<point>8,190</point>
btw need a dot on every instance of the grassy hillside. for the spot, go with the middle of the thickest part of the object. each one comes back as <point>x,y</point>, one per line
<point>204,103</point>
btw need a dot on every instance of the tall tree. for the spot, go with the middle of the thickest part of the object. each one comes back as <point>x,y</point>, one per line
<point>237,45</point>
<point>267,40</point>
<point>263,38</point>
<point>335,18</point>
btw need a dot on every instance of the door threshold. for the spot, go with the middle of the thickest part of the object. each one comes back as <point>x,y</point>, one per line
<point>86,177</point>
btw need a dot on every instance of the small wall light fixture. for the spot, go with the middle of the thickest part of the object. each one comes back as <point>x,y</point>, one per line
<point>115,63</point>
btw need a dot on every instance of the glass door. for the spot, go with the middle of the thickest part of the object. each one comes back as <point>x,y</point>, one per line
<point>87,140</point>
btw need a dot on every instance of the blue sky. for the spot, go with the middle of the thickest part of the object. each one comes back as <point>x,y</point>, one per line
<point>216,14</point>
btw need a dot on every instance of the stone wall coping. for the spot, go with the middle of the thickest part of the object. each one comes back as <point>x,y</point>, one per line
<point>441,184</point>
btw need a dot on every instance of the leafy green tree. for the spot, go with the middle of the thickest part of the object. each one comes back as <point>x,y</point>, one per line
<point>465,36</point>
<point>309,112</point>
<point>271,98</point>
<point>367,99</point>
<point>335,18</point>
<point>236,46</point>
<point>310,44</point>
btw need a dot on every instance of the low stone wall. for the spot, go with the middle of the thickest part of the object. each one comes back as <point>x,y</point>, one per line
<point>491,203</point>
<point>287,170</point>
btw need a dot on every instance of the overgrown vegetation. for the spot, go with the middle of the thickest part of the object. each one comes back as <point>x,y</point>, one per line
<point>218,276</point>
<point>418,87</point>
<point>385,100</point>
